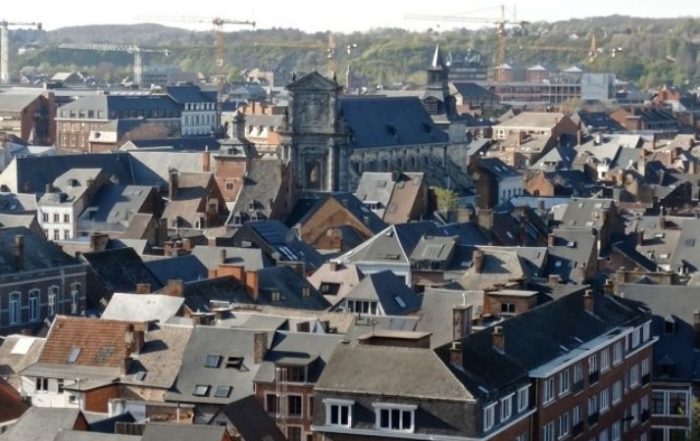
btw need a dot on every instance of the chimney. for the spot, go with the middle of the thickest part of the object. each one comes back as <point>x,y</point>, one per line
<point>206,161</point>
<point>333,266</point>
<point>550,239</point>
<point>222,255</point>
<point>49,188</point>
<point>640,237</point>
<point>485,218</point>
<point>143,288</point>
<point>19,252</point>
<point>461,321</point>
<point>175,288</point>
<point>478,259</point>
<point>498,339</point>
<point>609,287</point>
<point>134,339</point>
<point>696,327</point>
<point>598,140</point>
<point>259,347</point>
<point>173,183</point>
<point>252,284</point>
<point>588,302</point>
<point>456,355</point>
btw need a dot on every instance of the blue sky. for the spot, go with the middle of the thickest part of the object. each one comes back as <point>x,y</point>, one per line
<point>317,16</point>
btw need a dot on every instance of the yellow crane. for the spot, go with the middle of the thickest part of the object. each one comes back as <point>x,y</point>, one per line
<point>501,23</point>
<point>329,47</point>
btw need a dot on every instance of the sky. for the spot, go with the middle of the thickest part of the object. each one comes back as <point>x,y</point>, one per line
<point>339,16</point>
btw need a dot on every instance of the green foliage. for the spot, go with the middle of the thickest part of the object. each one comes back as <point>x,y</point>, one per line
<point>446,199</point>
<point>654,51</point>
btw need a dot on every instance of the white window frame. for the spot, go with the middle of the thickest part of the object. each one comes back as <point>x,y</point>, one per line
<point>634,376</point>
<point>549,391</point>
<point>616,392</point>
<point>489,416</point>
<point>646,331</point>
<point>34,305</point>
<point>604,400</point>
<point>548,431</point>
<point>564,382</point>
<point>593,364</point>
<point>575,415</point>
<point>563,425</point>
<point>618,352</point>
<point>390,407</point>
<point>14,314</point>
<point>616,431</point>
<point>605,359</point>
<point>506,407</point>
<point>603,435</point>
<point>329,403</point>
<point>523,398</point>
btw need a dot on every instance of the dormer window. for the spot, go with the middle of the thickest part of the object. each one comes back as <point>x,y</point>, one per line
<point>395,417</point>
<point>338,412</point>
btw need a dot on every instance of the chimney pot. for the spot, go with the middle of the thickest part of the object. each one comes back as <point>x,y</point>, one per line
<point>550,239</point>
<point>588,301</point>
<point>498,339</point>
<point>143,288</point>
<point>175,288</point>
<point>333,266</point>
<point>461,321</point>
<point>173,183</point>
<point>456,355</point>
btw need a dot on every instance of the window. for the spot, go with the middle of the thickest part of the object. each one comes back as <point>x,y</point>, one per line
<point>14,309</point>
<point>56,234</point>
<point>634,376</point>
<point>604,399</point>
<point>564,425</point>
<point>392,417</point>
<point>508,308</point>
<point>222,391</point>
<point>646,331</point>
<point>52,305</point>
<point>636,337</point>
<point>617,353</point>
<point>617,392</point>
<point>548,390</point>
<point>575,415</point>
<point>523,398</point>
<point>271,403</point>
<point>603,436</point>
<point>293,433</point>
<point>670,403</point>
<point>634,414</point>
<point>294,406</point>
<point>66,218</point>
<point>34,308</point>
<point>593,368</point>
<point>604,359</point>
<point>201,390</point>
<point>45,216</point>
<point>66,234</point>
<point>592,405</point>
<point>616,431</point>
<point>489,416</point>
<point>506,407</point>
<point>578,377</point>
<point>564,382</point>
<point>338,412</point>
<point>548,432</point>
<point>42,384</point>
<point>296,374</point>
<point>56,218</point>
<point>645,368</point>
<point>212,361</point>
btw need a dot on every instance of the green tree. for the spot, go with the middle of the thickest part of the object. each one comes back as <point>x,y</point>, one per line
<point>446,199</point>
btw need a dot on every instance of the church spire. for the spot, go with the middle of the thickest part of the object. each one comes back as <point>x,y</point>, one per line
<point>438,58</point>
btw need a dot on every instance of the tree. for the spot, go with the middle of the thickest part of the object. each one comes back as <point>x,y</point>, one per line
<point>446,199</point>
<point>151,130</point>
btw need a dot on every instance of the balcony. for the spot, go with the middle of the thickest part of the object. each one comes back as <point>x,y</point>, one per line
<point>646,379</point>
<point>577,429</point>
<point>578,386</point>
<point>593,419</point>
<point>593,377</point>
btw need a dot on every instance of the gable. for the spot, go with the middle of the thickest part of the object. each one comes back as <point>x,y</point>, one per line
<point>313,81</point>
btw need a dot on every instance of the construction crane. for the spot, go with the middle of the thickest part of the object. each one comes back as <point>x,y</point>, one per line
<point>5,47</point>
<point>220,36</point>
<point>501,23</point>
<point>125,48</point>
<point>329,47</point>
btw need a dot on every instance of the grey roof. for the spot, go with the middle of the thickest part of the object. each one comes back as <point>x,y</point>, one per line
<point>389,291</point>
<point>571,254</point>
<point>120,270</point>
<point>677,303</point>
<point>38,253</point>
<point>182,144</point>
<point>182,432</point>
<point>123,105</point>
<point>498,168</point>
<point>436,312</point>
<point>388,121</point>
<point>352,204</point>
<point>362,325</point>
<point>76,435</point>
<point>390,371</point>
<point>251,420</point>
<point>282,242</point>
<point>687,253</point>
<point>262,183</point>
<point>251,258</point>
<point>153,167</point>
<point>115,204</point>
<point>142,307</point>
<point>559,157</point>
<point>18,352</point>
<point>298,348</point>
<point>200,293</point>
<point>376,187</point>
<point>41,424</point>
<point>470,90</point>
<point>581,213</point>
<point>186,268</point>
<point>222,342</point>
<point>190,94</point>
<point>16,103</point>
<point>556,329</point>
<point>291,286</point>
<point>17,202</point>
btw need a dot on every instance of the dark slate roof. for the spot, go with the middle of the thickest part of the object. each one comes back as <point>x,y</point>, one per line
<point>555,329</point>
<point>192,143</point>
<point>250,258</point>
<point>15,102</point>
<point>121,103</point>
<point>224,342</point>
<point>469,89</point>
<point>291,286</point>
<point>687,253</point>
<point>352,204</point>
<point>33,173</point>
<point>571,253</point>
<point>189,94</point>
<point>498,168</point>
<point>38,253</point>
<point>288,247</point>
<point>186,268</point>
<point>676,303</point>
<point>200,293</point>
<point>116,203</point>
<point>389,290</point>
<point>182,432</point>
<point>388,121</point>
<point>261,185</point>
<point>436,311</point>
<point>251,420</point>
<point>597,120</point>
<point>121,269</point>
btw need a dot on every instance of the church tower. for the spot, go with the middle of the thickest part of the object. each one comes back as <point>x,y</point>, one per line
<point>318,155</point>
<point>437,99</point>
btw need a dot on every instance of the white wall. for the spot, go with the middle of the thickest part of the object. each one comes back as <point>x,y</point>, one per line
<point>50,227</point>
<point>50,398</point>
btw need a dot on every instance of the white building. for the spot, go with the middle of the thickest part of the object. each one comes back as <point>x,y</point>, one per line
<point>200,113</point>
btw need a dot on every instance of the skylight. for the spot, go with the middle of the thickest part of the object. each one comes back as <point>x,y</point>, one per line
<point>74,354</point>
<point>212,361</point>
<point>201,390</point>
<point>400,301</point>
<point>222,391</point>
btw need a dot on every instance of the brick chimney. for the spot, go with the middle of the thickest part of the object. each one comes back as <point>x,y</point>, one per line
<point>461,321</point>
<point>456,355</point>
<point>550,239</point>
<point>259,347</point>
<point>252,284</point>
<point>134,339</point>
<point>18,252</point>
<point>609,287</point>
<point>696,327</point>
<point>173,183</point>
<point>478,260</point>
<point>498,339</point>
<point>175,288</point>
<point>485,218</point>
<point>588,301</point>
<point>206,161</point>
<point>222,255</point>
<point>640,237</point>
<point>143,288</point>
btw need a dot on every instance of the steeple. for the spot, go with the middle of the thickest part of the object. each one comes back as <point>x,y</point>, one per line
<point>437,95</point>
<point>438,59</point>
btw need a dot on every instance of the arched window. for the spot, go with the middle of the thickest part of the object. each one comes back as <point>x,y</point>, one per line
<point>53,306</point>
<point>34,308</point>
<point>15,311</point>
